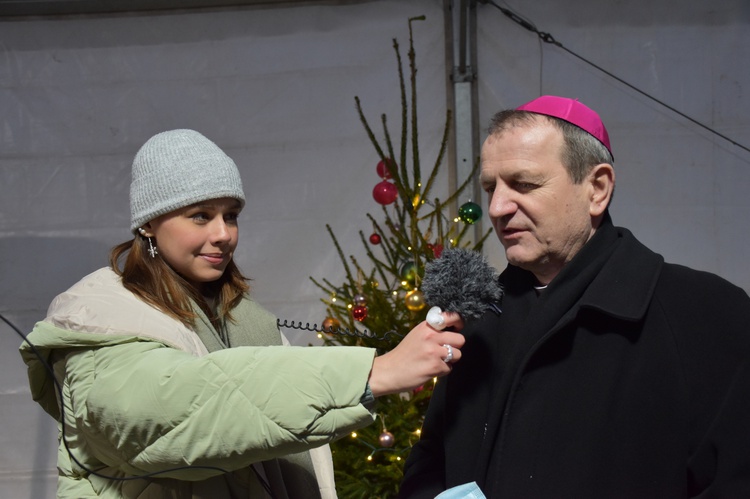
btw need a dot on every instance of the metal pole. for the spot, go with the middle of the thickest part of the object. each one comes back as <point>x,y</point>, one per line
<point>463,148</point>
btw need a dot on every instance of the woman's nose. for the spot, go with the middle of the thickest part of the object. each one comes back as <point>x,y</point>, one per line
<point>220,231</point>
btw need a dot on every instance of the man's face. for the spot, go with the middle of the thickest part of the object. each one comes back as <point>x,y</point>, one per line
<point>540,216</point>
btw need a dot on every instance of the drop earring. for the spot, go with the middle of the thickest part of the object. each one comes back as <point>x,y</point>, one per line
<point>151,248</point>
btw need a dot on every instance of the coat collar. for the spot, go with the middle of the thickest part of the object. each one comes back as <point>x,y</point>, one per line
<point>251,325</point>
<point>625,285</point>
<point>613,273</point>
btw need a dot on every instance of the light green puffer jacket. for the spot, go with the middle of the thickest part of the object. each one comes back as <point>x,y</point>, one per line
<point>142,394</point>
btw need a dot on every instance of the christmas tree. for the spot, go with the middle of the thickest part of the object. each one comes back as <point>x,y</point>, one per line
<point>380,301</point>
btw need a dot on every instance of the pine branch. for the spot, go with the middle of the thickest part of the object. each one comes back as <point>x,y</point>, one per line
<point>341,253</point>
<point>404,111</point>
<point>441,154</point>
<point>414,124</point>
<point>368,130</point>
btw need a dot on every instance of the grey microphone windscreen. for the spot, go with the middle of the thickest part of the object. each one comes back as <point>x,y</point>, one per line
<point>461,281</point>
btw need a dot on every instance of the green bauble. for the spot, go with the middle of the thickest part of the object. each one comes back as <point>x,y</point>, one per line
<point>469,212</point>
<point>409,272</point>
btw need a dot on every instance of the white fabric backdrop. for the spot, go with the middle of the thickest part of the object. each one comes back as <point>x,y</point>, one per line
<point>275,88</point>
<point>680,189</point>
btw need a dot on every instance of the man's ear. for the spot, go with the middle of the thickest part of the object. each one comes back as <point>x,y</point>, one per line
<point>602,183</point>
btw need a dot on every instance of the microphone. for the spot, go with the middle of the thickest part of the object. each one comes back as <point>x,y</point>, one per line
<point>460,281</point>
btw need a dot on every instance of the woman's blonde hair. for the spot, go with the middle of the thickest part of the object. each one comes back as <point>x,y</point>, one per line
<point>156,283</point>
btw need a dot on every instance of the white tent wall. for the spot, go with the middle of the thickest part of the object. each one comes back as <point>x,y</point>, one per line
<point>681,189</point>
<point>275,88</point>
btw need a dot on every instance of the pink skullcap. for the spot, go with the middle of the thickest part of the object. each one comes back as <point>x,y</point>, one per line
<point>571,111</point>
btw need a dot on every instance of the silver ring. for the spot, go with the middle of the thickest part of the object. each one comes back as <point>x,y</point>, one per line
<point>448,357</point>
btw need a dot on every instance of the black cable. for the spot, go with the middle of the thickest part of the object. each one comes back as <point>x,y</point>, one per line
<point>337,330</point>
<point>548,38</point>
<point>51,372</point>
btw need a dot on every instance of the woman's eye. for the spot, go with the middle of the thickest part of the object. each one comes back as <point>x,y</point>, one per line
<point>231,217</point>
<point>199,217</point>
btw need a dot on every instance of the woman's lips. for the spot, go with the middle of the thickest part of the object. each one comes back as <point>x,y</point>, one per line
<point>213,258</point>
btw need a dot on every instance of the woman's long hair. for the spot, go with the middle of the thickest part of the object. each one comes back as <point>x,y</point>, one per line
<point>156,283</point>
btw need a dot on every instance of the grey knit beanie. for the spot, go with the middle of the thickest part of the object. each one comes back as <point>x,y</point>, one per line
<point>178,168</point>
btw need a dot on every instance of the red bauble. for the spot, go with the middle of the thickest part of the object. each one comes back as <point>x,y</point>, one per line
<point>383,168</point>
<point>385,192</point>
<point>437,250</point>
<point>375,238</point>
<point>359,313</point>
<point>427,387</point>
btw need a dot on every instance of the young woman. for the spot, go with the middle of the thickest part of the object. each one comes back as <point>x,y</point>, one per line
<point>168,380</point>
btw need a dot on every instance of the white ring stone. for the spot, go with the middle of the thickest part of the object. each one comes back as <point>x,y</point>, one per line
<point>435,318</point>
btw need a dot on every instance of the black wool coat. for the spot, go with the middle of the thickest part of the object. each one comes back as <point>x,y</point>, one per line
<point>626,378</point>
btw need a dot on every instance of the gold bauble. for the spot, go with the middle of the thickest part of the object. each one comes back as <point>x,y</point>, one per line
<point>331,324</point>
<point>414,300</point>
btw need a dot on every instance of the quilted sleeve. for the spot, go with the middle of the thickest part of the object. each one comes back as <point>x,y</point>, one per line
<point>142,407</point>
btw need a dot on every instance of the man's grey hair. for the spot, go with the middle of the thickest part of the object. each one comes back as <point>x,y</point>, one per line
<point>581,150</point>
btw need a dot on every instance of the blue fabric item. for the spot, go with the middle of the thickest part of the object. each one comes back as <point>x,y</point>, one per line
<point>465,491</point>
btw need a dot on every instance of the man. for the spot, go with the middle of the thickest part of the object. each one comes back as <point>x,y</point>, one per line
<point>609,373</point>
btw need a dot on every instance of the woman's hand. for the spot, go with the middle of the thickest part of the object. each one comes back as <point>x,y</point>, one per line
<point>422,355</point>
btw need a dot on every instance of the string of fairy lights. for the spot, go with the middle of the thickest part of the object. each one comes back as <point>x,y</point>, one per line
<point>386,442</point>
